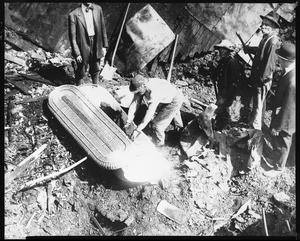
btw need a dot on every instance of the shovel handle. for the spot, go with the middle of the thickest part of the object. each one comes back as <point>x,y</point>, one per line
<point>115,50</point>
<point>172,60</point>
<point>243,43</point>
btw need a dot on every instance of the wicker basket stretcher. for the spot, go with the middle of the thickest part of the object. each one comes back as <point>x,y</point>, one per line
<point>78,109</point>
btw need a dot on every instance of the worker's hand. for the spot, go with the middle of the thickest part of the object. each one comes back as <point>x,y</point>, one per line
<point>79,59</point>
<point>274,132</point>
<point>135,134</point>
<point>127,125</point>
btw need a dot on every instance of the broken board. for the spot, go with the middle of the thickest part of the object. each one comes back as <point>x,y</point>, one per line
<point>172,212</point>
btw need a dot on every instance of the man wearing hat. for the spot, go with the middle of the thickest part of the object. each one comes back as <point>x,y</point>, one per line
<point>157,93</point>
<point>263,67</point>
<point>227,76</point>
<point>283,124</point>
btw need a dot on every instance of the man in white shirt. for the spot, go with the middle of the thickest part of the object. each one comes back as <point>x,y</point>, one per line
<point>88,40</point>
<point>156,92</point>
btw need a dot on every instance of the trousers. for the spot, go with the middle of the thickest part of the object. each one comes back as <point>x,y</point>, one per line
<point>93,66</point>
<point>166,114</point>
<point>280,149</point>
<point>259,105</point>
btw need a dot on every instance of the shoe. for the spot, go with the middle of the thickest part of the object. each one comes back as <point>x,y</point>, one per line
<point>273,173</point>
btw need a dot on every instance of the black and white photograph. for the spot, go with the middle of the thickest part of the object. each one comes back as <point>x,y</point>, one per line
<point>149,119</point>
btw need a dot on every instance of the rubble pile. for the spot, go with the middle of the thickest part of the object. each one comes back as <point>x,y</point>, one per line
<point>210,187</point>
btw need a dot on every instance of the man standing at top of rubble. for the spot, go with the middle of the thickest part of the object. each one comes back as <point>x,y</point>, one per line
<point>88,40</point>
<point>283,122</point>
<point>227,76</point>
<point>263,67</point>
<point>159,94</point>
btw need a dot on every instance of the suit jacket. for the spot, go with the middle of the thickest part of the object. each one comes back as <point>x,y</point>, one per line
<point>264,62</point>
<point>227,77</point>
<point>78,35</point>
<point>285,99</point>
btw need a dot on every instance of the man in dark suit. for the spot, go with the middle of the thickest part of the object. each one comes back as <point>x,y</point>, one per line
<point>283,123</point>
<point>263,67</point>
<point>88,40</point>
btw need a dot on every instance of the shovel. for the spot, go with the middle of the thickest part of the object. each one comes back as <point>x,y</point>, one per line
<point>108,71</point>
<point>172,60</point>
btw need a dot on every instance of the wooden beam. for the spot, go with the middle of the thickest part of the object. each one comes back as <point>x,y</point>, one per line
<point>9,177</point>
<point>35,99</point>
<point>199,102</point>
<point>19,86</point>
<point>15,59</point>
<point>21,44</point>
<point>52,175</point>
<point>37,78</point>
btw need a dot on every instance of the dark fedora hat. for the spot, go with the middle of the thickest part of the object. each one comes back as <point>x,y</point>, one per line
<point>287,51</point>
<point>136,82</point>
<point>273,17</point>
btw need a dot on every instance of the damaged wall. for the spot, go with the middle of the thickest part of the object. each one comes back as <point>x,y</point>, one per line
<point>199,25</point>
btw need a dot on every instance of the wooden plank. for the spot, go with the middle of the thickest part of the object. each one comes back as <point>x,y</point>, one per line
<point>52,175</point>
<point>9,177</point>
<point>15,59</point>
<point>19,86</point>
<point>199,36</point>
<point>164,55</point>
<point>38,98</point>
<point>205,39</point>
<point>195,48</point>
<point>188,33</point>
<point>214,38</point>
<point>182,37</point>
<point>37,78</point>
<point>21,44</point>
<point>154,64</point>
<point>191,38</point>
<point>14,77</point>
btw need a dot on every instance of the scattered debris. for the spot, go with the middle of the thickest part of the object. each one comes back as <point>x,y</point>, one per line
<point>15,59</point>
<point>172,212</point>
<point>30,220</point>
<point>9,177</point>
<point>51,176</point>
<point>242,209</point>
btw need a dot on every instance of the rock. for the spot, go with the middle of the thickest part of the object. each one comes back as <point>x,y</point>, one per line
<point>122,215</point>
<point>192,173</point>
<point>129,221</point>
<point>209,206</point>
<point>42,199</point>
<point>181,83</point>
<point>240,219</point>
<point>200,204</point>
<point>281,198</point>
<point>254,214</point>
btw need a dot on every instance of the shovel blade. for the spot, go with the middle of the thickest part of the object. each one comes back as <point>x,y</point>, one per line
<point>108,72</point>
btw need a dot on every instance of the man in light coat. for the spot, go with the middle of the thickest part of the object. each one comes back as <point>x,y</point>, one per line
<point>157,93</point>
<point>88,40</point>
